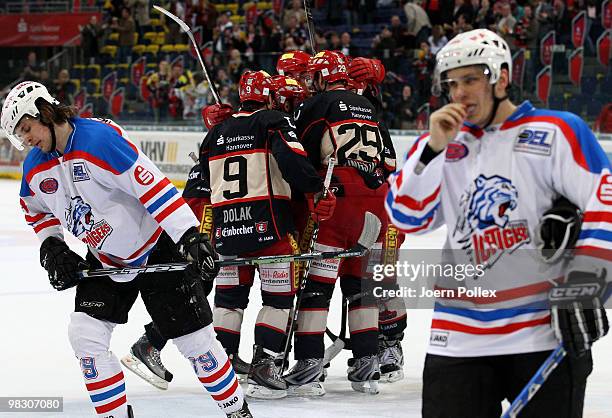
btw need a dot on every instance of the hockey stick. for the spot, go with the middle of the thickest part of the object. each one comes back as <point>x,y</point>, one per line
<point>300,292</point>
<point>536,382</point>
<point>368,237</point>
<point>340,342</point>
<point>187,30</point>
<point>310,25</point>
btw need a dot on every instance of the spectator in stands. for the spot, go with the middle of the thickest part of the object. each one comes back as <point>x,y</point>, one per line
<point>141,10</point>
<point>418,24</point>
<point>405,110</point>
<point>206,17</point>
<point>235,65</point>
<point>289,44</point>
<point>544,16</point>
<point>463,7</point>
<point>126,28</point>
<point>294,30</point>
<point>485,18</point>
<point>346,46</point>
<point>562,20</point>
<point>423,68</point>
<point>526,30</point>
<point>159,86</point>
<point>296,10</point>
<point>461,25</point>
<point>506,23</point>
<point>45,80</point>
<point>334,41</point>
<point>384,49</point>
<point>32,68</point>
<point>437,39</point>
<point>399,33</point>
<point>174,34</point>
<point>91,35</point>
<point>64,89</point>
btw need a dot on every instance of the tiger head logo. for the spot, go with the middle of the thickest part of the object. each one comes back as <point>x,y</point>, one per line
<point>489,202</point>
<point>79,217</point>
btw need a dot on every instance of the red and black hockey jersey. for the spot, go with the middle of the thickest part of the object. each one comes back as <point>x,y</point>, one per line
<point>252,158</point>
<point>345,125</point>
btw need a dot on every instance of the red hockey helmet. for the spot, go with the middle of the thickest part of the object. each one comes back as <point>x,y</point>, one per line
<point>254,86</point>
<point>287,90</point>
<point>367,70</point>
<point>331,64</point>
<point>293,63</point>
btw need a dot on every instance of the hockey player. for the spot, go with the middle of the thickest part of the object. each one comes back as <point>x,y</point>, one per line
<point>338,123</point>
<point>366,75</point>
<point>294,64</point>
<point>144,356</point>
<point>74,177</point>
<point>253,157</point>
<point>489,169</point>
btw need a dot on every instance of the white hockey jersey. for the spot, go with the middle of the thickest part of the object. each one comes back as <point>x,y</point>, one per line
<point>490,188</point>
<point>106,192</point>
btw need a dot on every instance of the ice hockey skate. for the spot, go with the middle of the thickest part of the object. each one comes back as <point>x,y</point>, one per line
<point>391,359</point>
<point>364,374</point>
<point>240,366</point>
<point>305,378</point>
<point>144,361</point>
<point>242,412</point>
<point>265,381</point>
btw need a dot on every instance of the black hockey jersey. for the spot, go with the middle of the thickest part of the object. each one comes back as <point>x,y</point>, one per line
<point>344,125</point>
<point>252,158</point>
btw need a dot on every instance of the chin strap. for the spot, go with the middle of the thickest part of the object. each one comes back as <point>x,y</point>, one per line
<point>496,103</point>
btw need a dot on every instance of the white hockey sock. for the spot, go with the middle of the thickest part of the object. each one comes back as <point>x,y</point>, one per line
<point>90,339</point>
<point>213,368</point>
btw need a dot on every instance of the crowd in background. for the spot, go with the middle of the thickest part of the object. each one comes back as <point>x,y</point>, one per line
<point>406,42</point>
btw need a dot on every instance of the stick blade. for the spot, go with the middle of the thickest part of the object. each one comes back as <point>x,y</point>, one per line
<point>370,231</point>
<point>178,21</point>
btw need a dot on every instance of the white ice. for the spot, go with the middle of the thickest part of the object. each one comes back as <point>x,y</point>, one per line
<point>36,358</point>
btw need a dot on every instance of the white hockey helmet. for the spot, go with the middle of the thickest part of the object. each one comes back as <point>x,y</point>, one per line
<point>21,101</point>
<point>476,47</point>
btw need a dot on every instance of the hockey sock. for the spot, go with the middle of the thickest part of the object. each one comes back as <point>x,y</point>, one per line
<point>104,379</point>
<point>213,368</point>
<point>227,326</point>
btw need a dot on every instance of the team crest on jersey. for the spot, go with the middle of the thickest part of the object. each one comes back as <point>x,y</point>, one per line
<point>261,227</point>
<point>456,151</point>
<point>48,185</point>
<point>485,229</point>
<point>80,220</point>
<point>79,172</point>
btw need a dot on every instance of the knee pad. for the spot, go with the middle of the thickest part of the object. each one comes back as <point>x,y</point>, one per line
<point>277,301</point>
<point>236,297</point>
<point>88,336</point>
<point>229,320</point>
<point>273,317</point>
<point>196,343</point>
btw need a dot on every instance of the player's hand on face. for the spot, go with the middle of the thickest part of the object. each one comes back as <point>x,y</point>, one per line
<point>444,124</point>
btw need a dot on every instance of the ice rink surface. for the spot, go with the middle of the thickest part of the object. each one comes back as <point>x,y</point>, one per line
<point>36,358</point>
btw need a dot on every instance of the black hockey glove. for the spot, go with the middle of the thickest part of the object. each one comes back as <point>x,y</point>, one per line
<point>577,314</point>
<point>62,264</point>
<point>197,249</point>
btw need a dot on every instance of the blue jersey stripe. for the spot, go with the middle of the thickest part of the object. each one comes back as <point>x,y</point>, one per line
<point>222,384</point>
<point>405,219</point>
<point>495,314</point>
<point>159,202</point>
<point>108,394</point>
<point>601,234</point>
